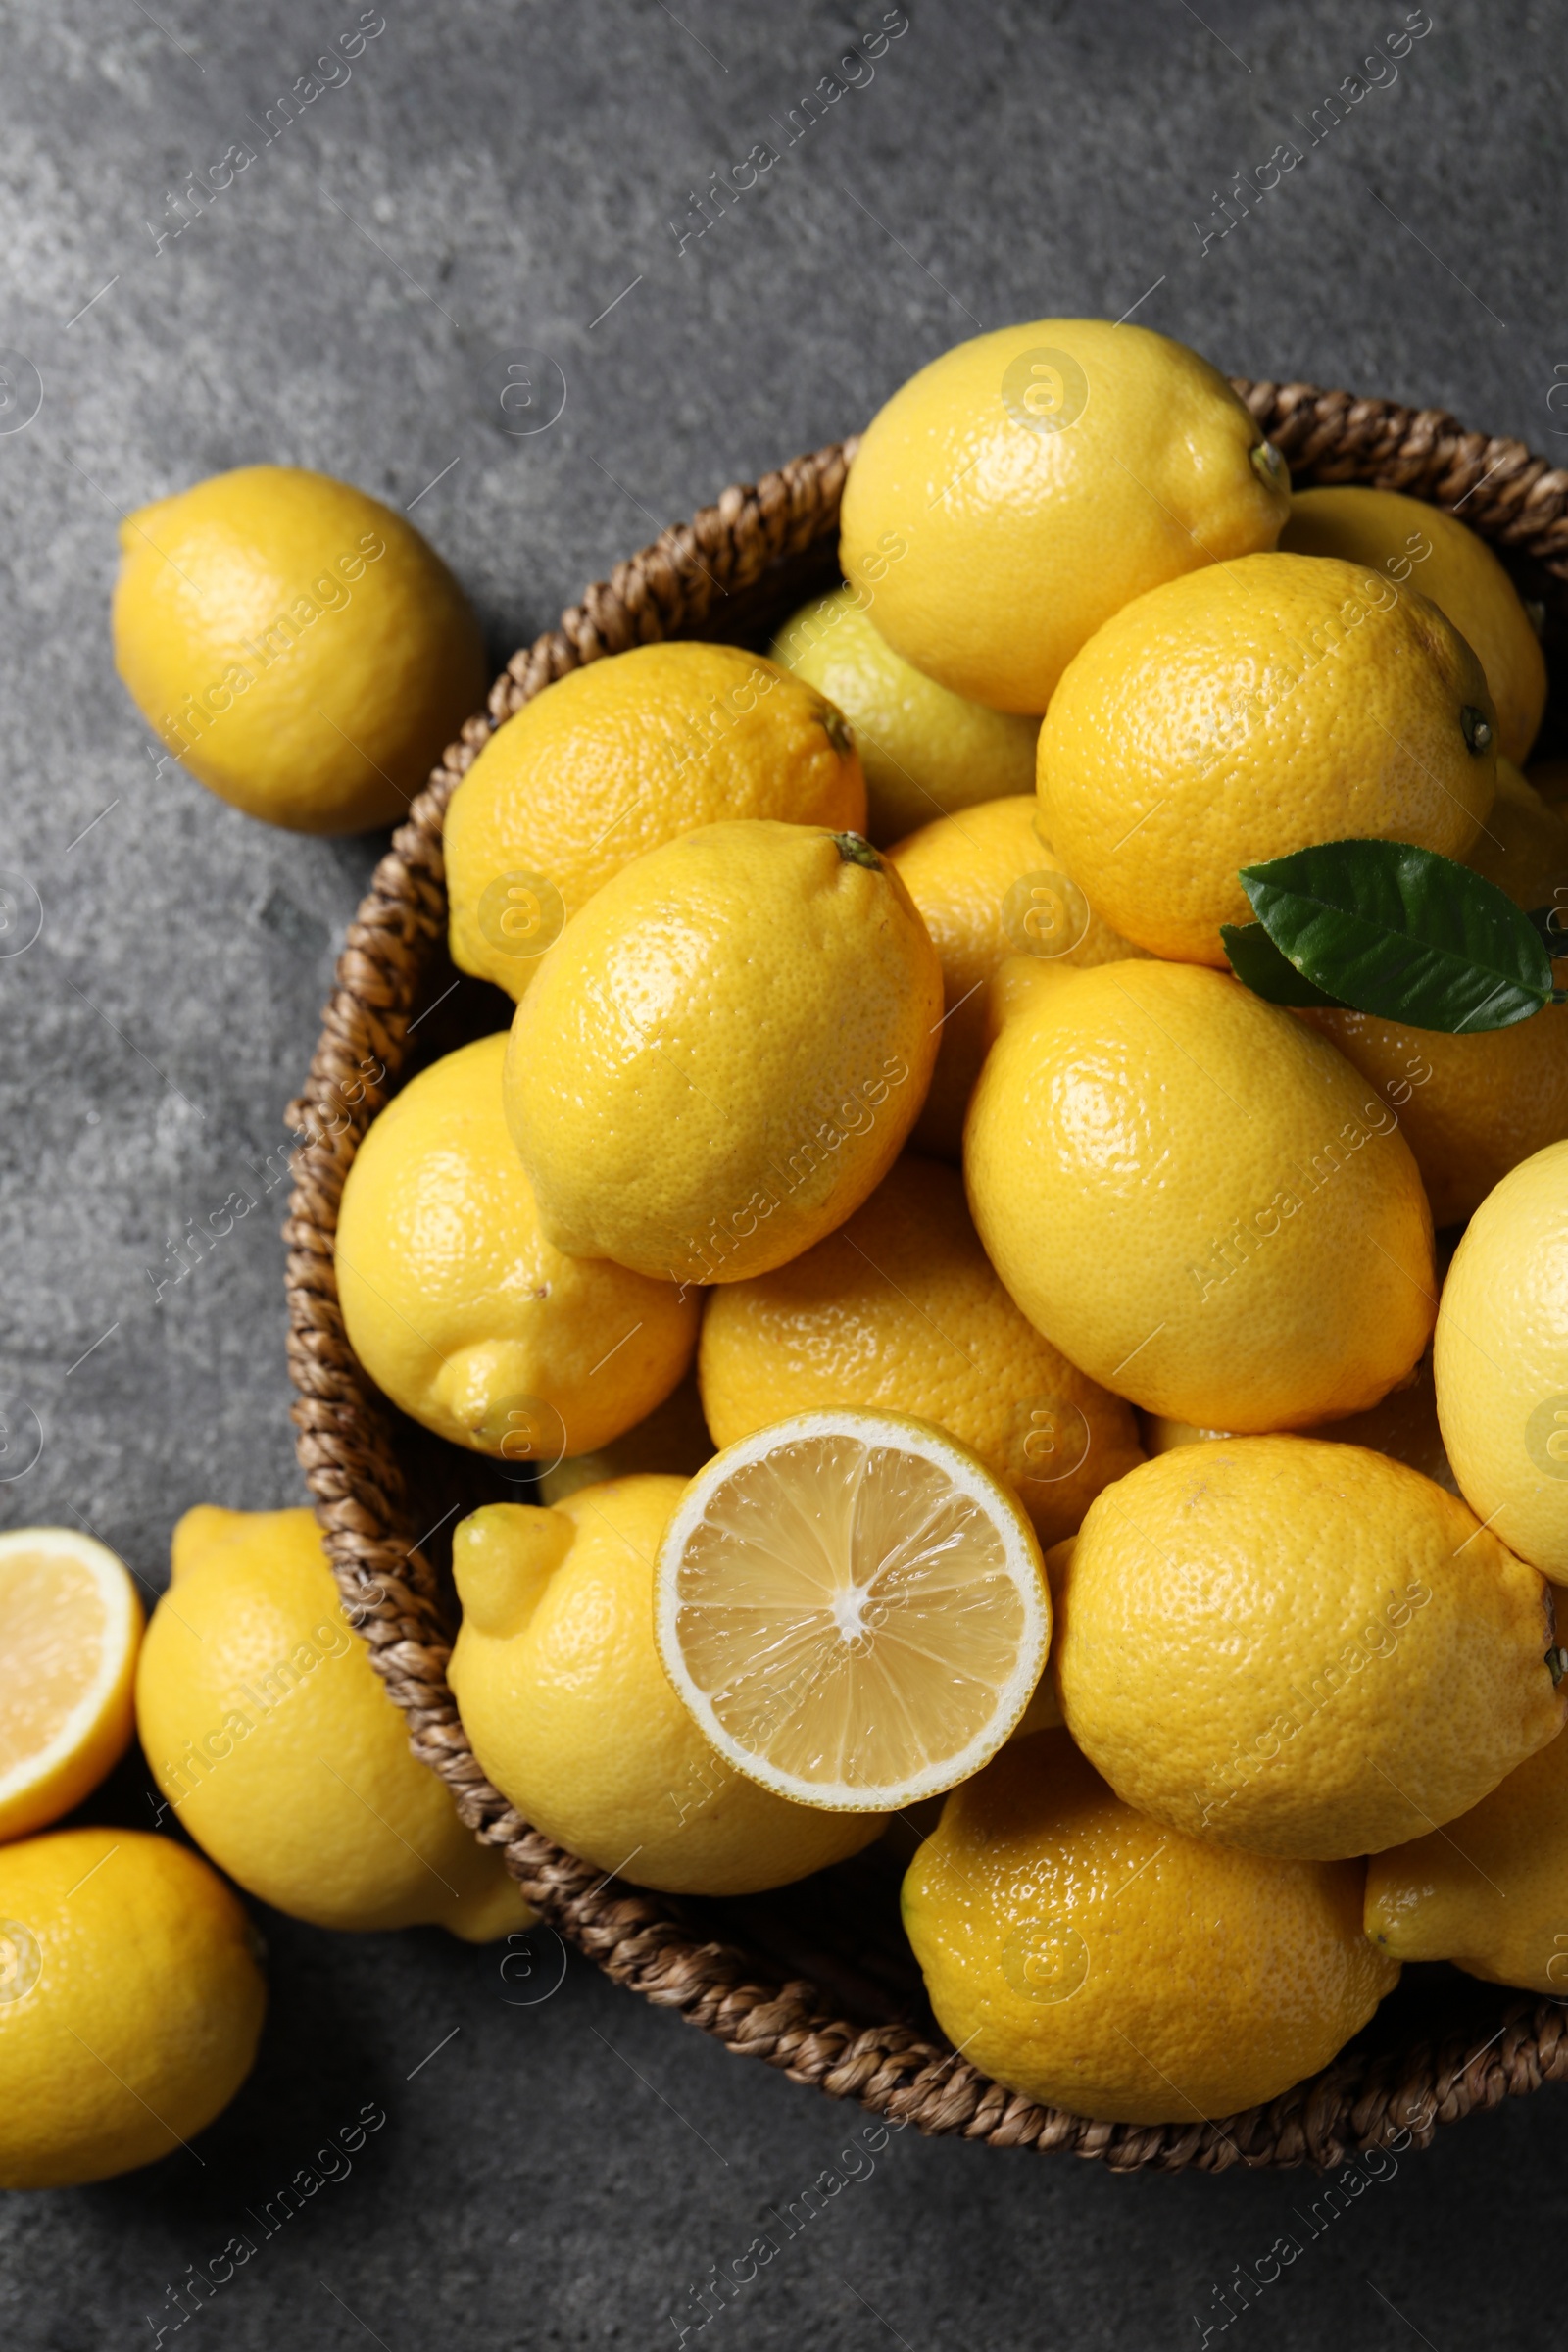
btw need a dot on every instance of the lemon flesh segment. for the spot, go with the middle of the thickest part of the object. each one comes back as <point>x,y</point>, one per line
<point>852,1609</point>
<point>72,1624</point>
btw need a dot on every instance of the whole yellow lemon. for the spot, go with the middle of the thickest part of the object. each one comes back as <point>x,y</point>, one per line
<point>1487,1892</point>
<point>901,1309</point>
<point>131,2003</point>
<point>460,1309</point>
<point>1473,1108</point>
<point>1301,1648</point>
<point>988,885</point>
<point>1163,757</point>
<point>1089,1958</point>
<point>1419,545</point>
<point>297,645</point>
<point>270,1733</point>
<point>615,758</point>
<point>1036,480</point>
<point>1195,1200</point>
<point>724,1050</point>
<point>926,751</point>
<point>573,1718</point>
<point>1502,1360</point>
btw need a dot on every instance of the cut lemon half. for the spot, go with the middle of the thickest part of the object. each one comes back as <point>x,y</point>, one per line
<point>852,1609</point>
<point>70,1628</point>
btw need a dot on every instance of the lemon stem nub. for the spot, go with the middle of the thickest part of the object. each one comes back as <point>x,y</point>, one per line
<point>856,850</point>
<point>1557,1664</point>
<point>1268,461</point>
<point>1477,729</point>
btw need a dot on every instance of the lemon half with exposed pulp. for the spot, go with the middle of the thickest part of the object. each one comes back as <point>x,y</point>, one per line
<point>72,1626</point>
<point>853,1608</point>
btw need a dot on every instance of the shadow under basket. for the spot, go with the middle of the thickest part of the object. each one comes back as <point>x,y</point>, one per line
<point>816,1979</point>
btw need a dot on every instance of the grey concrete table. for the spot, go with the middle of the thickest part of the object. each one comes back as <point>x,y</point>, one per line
<point>471,184</point>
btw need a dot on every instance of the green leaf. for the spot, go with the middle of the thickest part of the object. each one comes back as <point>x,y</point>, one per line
<point>1255,959</point>
<point>1403,934</point>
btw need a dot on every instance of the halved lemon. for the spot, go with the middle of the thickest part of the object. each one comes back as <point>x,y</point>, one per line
<point>71,1625</point>
<point>853,1608</point>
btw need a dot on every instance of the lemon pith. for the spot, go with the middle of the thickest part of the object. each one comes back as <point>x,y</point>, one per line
<point>970,1376</point>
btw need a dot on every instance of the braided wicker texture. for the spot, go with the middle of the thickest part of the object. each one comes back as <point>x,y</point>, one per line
<point>801,1994</point>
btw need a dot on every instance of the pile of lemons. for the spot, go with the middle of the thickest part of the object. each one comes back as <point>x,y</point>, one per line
<point>971,1371</point>
<point>131,1986</point>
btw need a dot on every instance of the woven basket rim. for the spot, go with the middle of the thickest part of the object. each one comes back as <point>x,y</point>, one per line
<point>706,576</point>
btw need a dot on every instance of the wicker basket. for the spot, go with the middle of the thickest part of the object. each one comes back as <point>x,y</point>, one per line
<point>816,1979</point>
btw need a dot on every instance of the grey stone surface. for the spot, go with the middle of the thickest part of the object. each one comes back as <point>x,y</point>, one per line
<point>491,180</point>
